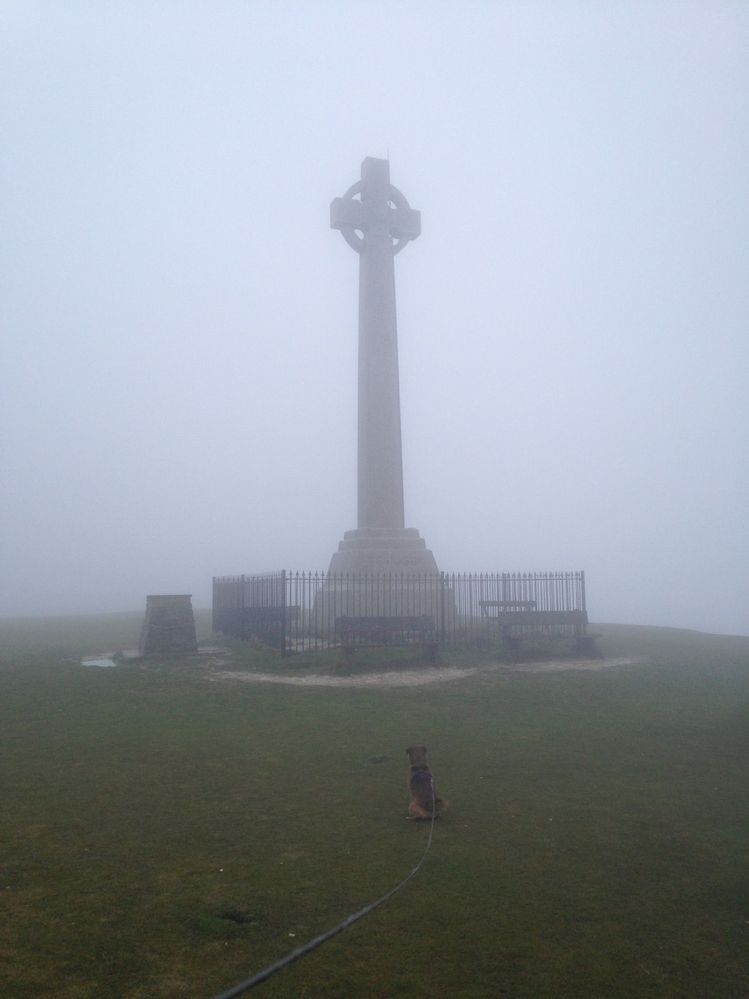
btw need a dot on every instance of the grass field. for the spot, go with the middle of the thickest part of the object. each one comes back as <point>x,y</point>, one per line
<point>165,836</point>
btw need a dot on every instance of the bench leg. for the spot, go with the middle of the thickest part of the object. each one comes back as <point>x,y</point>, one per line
<point>511,642</point>
<point>431,651</point>
<point>586,645</point>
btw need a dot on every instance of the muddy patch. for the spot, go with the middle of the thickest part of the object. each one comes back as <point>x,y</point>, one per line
<point>417,678</point>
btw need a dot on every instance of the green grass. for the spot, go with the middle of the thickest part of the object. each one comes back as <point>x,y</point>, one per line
<point>162,836</point>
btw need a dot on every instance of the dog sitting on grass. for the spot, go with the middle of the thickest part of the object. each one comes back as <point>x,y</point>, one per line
<point>421,786</point>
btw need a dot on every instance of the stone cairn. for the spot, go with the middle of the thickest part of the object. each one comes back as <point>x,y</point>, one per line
<point>169,625</point>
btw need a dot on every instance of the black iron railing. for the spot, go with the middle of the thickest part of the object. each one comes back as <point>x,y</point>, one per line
<point>304,611</point>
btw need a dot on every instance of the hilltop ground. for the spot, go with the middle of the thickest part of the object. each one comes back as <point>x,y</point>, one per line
<point>167,831</point>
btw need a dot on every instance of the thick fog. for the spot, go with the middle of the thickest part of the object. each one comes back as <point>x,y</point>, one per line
<point>180,322</point>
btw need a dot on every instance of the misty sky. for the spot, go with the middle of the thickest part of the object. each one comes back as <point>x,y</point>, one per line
<point>179,321</point>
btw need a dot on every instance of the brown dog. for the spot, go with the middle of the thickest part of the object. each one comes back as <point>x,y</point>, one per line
<point>422,787</point>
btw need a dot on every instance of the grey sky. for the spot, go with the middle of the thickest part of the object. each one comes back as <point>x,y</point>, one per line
<point>179,322</point>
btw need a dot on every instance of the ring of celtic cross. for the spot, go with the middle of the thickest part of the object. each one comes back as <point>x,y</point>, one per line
<point>379,220</point>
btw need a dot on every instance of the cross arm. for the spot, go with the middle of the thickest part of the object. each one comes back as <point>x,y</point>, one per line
<point>405,223</point>
<point>347,213</point>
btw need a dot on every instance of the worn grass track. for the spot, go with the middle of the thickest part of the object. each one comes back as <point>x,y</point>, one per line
<point>162,836</point>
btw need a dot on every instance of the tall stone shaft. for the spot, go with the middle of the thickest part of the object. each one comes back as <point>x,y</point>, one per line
<point>376,221</point>
<point>380,456</point>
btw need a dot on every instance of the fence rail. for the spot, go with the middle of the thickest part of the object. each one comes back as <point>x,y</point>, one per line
<point>305,611</point>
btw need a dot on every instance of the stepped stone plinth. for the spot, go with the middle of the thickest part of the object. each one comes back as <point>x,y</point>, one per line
<point>383,550</point>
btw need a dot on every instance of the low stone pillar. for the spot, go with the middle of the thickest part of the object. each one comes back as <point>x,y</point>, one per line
<point>169,625</point>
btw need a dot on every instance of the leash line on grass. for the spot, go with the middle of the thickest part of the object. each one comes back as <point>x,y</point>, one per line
<point>300,952</point>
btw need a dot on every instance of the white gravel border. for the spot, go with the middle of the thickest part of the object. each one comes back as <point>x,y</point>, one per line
<point>420,677</point>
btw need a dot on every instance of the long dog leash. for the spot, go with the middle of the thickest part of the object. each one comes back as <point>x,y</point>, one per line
<point>300,952</point>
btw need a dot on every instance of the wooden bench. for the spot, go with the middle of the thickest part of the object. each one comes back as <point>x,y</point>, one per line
<point>516,619</point>
<point>267,623</point>
<point>505,605</point>
<point>400,630</point>
<point>263,617</point>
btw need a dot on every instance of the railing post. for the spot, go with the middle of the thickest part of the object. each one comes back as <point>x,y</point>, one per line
<point>283,612</point>
<point>442,608</point>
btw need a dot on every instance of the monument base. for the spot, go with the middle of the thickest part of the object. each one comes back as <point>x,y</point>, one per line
<point>376,550</point>
<point>383,573</point>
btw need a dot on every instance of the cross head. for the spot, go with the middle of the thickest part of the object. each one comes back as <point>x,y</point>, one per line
<point>372,209</point>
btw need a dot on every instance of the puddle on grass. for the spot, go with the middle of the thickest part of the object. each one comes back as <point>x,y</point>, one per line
<point>109,660</point>
<point>104,661</point>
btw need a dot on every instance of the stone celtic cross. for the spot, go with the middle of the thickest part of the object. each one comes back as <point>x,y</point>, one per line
<point>377,221</point>
<point>377,209</point>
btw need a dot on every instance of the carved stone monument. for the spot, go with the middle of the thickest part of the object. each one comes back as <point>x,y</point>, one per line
<point>377,222</point>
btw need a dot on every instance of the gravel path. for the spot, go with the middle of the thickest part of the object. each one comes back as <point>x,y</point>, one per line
<point>417,678</point>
